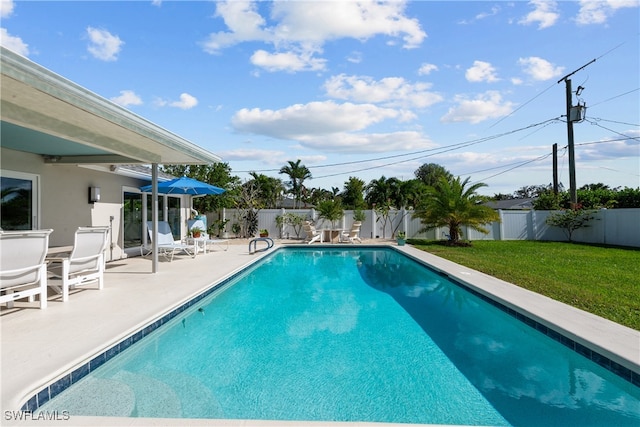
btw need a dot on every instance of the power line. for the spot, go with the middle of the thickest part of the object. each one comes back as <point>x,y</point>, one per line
<point>614,121</point>
<point>517,165</point>
<point>595,123</point>
<point>537,159</point>
<point>614,97</point>
<point>413,153</point>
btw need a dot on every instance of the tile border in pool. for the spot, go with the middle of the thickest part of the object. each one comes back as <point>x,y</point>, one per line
<point>55,388</point>
<point>621,371</point>
<point>58,386</point>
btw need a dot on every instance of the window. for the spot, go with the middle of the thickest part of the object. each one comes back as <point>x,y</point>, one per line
<point>132,212</point>
<point>173,216</point>
<point>20,194</point>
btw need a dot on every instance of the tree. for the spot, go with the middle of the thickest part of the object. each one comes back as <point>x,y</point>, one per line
<point>430,173</point>
<point>316,195</point>
<point>248,203</point>
<point>531,191</point>
<point>297,173</point>
<point>590,196</point>
<point>570,220</point>
<point>218,174</point>
<point>380,191</point>
<point>549,200</point>
<point>270,189</point>
<point>353,194</point>
<point>452,203</point>
<point>331,210</point>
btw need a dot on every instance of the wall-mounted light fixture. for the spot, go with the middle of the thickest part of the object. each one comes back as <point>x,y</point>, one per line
<point>94,194</point>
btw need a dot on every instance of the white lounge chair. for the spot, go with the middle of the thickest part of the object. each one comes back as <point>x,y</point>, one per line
<point>352,235</point>
<point>23,271</point>
<point>313,235</point>
<point>84,265</point>
<point>167,245</point>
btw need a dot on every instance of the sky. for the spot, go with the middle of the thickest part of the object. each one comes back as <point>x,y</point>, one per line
<point>363,88</point>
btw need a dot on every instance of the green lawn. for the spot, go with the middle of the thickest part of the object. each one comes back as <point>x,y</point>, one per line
<point>602,280</point>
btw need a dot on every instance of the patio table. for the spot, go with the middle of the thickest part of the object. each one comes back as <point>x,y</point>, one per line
<point>332,234</point>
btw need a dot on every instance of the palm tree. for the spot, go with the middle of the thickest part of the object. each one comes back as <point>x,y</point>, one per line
<point>297,174</point>
<point>269,188</point>
<point>452,204</point>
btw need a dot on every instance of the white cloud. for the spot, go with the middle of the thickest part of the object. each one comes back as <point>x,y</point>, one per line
<point>426,69</point>
<point>304,27</point>
<point>629,148</point>
<point>315,118</point>
<point>494,11</point>
<point>286,61</point>
<point>483,15</point>
<point>250,154</point>
<point>269,157</point>
<point>539,69</point>
<point>545,13</point>
<point>598,11</point>
<point>127,98</point>
<point>244,24</point>
<point>488,105</point>
<point>103,45</point>
<point>389,91</point>
<point>481,72</point>
<point>6,8</point>
<point>355,57</point>
<point>13,43</point>
<point>345,142</point>
<point>186,102</point>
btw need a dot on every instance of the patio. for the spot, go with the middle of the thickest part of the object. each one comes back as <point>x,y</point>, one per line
<point>40,345</point>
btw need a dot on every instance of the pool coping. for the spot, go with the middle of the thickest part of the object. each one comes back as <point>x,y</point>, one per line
<point>606,343</point>
<point>609,344</point>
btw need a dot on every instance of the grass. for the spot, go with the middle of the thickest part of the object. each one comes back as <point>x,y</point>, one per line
<point>602,280</point>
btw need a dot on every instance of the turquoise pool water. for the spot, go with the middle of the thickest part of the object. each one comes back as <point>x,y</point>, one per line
<point>352,335</point>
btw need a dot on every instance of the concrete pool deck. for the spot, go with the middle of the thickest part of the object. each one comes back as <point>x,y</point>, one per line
<point>40,346</point>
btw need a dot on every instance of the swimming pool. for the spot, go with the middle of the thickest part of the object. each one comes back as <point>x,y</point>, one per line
<point>366,335</point>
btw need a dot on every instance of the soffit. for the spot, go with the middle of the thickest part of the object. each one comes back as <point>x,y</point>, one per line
<point>46,114</point>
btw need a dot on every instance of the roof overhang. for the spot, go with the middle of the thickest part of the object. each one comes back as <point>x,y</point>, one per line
<point>46,114</point>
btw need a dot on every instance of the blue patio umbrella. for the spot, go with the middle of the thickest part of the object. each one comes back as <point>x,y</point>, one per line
<point>185,185</point>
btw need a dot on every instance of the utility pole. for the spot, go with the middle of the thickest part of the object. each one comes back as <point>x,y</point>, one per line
<point>555,168</point>
<point>573,194</point>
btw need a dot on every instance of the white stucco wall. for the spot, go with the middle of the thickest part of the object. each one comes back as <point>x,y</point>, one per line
<point>64,202</point>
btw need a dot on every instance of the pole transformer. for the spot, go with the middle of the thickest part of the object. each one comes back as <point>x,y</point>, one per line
<point>573,194</point>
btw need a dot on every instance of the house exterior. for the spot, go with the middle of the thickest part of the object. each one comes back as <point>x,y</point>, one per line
<point>61,146</point>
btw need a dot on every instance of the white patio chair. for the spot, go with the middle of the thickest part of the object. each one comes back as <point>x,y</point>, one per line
<point>167,246</point>
<point>84,265</point>
<point>23,271</point>
<point>313,235</point>
<point>352,235</point>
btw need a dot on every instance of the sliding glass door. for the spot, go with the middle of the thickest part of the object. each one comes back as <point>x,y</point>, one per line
<point>19,201</point>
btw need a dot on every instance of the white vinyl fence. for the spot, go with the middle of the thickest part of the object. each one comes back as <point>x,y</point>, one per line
<point>610,226</point>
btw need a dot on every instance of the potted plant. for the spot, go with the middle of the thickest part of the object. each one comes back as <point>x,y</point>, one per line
<point>264,233</point>
<point>195,232</point>
<point>401,238</point>
<point>235,228</point>
<point>220,225</point>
